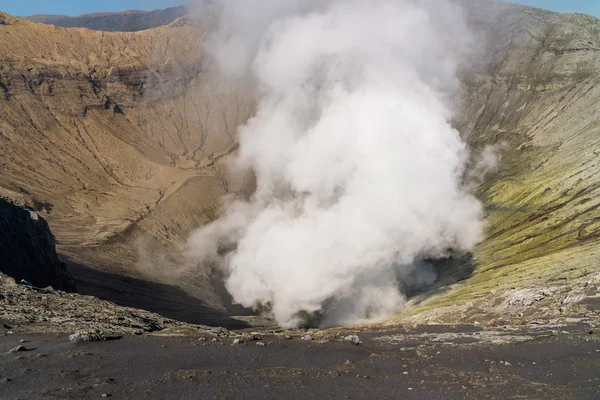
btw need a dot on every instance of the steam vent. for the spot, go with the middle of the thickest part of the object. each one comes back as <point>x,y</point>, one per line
<point>299,199</point>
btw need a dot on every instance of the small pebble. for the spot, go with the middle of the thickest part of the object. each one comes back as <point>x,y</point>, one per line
<point>352,338</point>
<point>17,349</point>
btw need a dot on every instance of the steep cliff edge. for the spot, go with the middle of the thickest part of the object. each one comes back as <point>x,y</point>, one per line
<point>27,249</point>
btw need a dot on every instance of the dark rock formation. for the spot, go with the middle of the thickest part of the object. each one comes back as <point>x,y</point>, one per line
<point>27,249</point>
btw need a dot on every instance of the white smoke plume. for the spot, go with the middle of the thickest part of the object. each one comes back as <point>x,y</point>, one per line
<point>359,172</point>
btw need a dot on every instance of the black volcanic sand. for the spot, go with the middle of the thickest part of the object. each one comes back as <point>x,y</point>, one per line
<point>556,366</point>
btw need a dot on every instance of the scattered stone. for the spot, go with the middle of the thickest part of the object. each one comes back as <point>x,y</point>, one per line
<point>106,395</point>
<point>352,338</point>
<point>405,373</point>
<point>260,344</point>
<point>237,341</point>
<point>24,282</point>
<point>307,337</point>
<point>18,349</point>
<point>56,310</point>
<point>90,336</point>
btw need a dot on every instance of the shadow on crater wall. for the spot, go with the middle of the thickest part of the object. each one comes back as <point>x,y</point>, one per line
<point>166,300</point>
<point>454,269</point>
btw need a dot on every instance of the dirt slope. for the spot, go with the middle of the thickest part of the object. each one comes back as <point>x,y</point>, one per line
<point>100,131</point>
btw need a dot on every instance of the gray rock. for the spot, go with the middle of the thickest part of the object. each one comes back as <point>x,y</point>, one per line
<point>90,336</point>
<point>18,349</point>
<point>352,338</point>
<point>307,337</point>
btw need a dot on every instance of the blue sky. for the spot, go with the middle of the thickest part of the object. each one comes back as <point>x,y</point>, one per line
<point>591,7</point>
<point>76,7</point>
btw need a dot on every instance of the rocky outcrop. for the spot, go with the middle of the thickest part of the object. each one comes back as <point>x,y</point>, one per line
<point>27,249</point>
<point>30,309</point>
